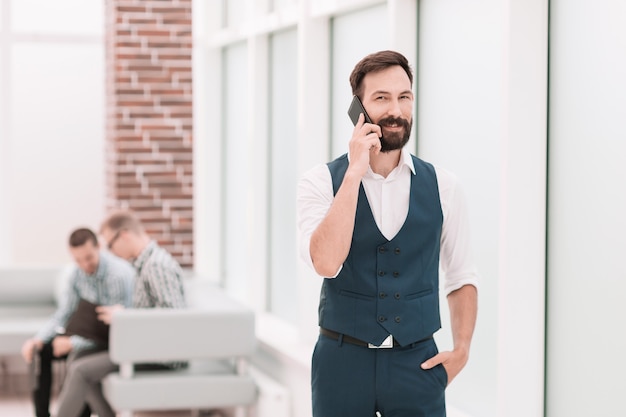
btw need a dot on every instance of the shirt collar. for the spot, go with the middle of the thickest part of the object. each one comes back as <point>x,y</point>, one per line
<point>405,164</point>
<point>405,160</point>
<point>144,255</point>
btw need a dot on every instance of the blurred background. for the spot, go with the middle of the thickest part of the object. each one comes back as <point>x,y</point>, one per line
<point>201,116</point>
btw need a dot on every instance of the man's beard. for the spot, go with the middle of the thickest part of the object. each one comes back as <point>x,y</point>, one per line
<point>392,141</point>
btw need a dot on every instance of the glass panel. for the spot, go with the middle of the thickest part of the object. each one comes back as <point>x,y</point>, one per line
<point>235,168</point>
<point>58,17</point>
<point>354,36</point>
<point>283,174</point>
<point>586,222</point>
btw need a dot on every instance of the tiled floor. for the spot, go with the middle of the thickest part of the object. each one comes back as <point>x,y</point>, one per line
<point>15,407</point>
<point>22,407</point>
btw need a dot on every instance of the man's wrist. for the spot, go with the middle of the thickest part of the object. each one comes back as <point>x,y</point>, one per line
<point>463,349</point>
<point>351,178</point>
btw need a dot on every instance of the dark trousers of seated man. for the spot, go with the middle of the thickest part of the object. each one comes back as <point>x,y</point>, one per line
<point>41,394</point>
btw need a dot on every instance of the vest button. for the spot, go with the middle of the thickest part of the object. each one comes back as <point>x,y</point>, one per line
<point>397,251</point>
<point>398,319</point>
<point>381,318</point>
<point>397,296</point>
<point>396,274</point>
<point>382,249</point>
<point>381,273</point>
<point>382,295</point>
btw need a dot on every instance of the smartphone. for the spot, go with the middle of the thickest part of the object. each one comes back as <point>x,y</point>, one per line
<point>356,108</point>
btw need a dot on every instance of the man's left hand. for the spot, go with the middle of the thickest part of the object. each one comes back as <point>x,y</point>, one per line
<point>61,346</point>
<point>453,362</point>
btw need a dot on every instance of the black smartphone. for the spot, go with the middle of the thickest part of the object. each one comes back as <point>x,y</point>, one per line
<point>356,108</point>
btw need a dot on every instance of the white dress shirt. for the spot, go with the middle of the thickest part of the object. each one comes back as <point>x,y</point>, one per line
<point>389,200</point>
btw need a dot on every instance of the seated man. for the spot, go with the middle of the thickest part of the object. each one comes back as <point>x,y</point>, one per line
<point>99,278</point>
<point>159,283</point>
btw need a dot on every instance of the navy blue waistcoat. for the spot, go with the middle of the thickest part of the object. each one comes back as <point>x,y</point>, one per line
<point>388,286</point>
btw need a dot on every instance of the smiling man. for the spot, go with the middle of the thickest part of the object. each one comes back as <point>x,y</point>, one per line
<point>376,223</point>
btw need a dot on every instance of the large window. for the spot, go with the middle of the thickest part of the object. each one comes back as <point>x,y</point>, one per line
<point>283,86</point>
<point>282,168</point>
<point>284,96</point>
<point>354,35</point>
<point>235,168</point>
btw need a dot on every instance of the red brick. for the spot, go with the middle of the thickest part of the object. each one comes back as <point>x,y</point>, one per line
<point>128,44</point>
<point>149,152</point>
<point>138,21</point>
<point>127,8</point>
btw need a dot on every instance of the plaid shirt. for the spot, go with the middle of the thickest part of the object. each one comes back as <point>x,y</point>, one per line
<point>159,279</point>
<point>159,284</point>
<point>111,284</point>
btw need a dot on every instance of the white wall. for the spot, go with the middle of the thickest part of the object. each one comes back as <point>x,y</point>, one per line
<point>5,28</point>
<point>587,206</point>
<point>52,136</point>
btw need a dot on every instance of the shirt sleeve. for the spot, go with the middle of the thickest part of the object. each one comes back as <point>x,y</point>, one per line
<point>456,257</point>
<point>314,198</point>
<point>67,305</point>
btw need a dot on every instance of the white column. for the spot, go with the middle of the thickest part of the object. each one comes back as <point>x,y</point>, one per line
<point>256,151</point>
<point>521,280</point>
<point>207,151</point>
<point>313,135</point>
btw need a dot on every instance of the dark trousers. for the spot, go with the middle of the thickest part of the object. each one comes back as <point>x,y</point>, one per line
<point>41,394</point>
<point>351,380</point>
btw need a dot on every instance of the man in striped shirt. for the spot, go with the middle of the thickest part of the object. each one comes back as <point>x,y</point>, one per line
<point>99,278</point>
<point>159,283</point>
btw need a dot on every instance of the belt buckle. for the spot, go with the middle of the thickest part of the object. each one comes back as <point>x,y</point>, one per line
<point>387,344</point>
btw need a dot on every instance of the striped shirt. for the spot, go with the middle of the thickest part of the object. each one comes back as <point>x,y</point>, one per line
<point>159,279</point>
<point>159,284</point>
<point>111,284</point>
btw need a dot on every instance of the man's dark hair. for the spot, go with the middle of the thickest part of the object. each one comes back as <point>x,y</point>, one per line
<point>81,236</point>
<point>375,62</point>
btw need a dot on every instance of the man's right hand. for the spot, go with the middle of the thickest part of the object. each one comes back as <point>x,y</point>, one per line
<point>29,347</point>
<point>365,140</point>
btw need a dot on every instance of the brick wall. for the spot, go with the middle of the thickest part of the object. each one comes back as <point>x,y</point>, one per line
<point>149,117</point>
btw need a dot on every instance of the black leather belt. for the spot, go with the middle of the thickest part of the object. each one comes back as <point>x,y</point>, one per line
<point>352,340</point>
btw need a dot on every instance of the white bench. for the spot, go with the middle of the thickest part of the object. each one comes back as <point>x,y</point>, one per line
<point>215,335</point>
<point>28,297</point>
